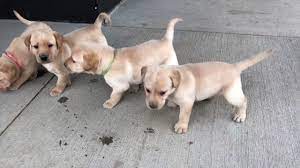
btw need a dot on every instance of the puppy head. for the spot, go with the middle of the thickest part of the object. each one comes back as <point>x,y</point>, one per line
<point>83,61</point>
<point>159,84</point>
<point>45,45</point>
<point>8,75</point>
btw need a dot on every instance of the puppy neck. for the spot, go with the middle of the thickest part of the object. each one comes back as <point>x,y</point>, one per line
<point>106,61</point>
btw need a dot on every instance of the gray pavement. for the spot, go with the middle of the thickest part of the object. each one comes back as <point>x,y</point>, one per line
<point>38,131</point>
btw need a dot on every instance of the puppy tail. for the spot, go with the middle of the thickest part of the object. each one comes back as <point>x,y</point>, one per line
<point>170,29</point>
<point>102,17</point>
<point>22,19</point>
<point>253,60</point>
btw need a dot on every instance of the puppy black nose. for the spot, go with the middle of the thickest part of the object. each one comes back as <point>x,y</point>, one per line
<point>152,105</point>
<point>44,57</point>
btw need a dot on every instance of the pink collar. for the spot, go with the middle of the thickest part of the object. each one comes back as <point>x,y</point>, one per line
<point>13,59</point>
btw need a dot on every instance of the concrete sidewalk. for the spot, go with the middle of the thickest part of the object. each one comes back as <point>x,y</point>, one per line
<point>40,131</point>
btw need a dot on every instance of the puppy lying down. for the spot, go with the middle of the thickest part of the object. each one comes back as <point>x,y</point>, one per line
<point>17,65</point>
<point>184,84</point>
<point>122,67</point>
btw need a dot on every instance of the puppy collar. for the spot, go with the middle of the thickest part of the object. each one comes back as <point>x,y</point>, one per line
<point>13,59</point>
<point>104,72</point>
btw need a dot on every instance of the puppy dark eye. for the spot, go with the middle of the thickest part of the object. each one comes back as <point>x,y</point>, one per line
<point>162,93</point>
<point>36,46</point>
<point>50,45</point>
<point>148,91</point>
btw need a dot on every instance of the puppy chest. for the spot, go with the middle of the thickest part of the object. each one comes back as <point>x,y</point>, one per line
<point>50,68</point>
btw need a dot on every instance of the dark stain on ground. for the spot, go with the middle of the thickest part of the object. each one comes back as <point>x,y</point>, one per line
<point>94,80</point>
<point>75,115</point>
<point>63,99</point>
<point>149,130</point>
<point>106,140</point>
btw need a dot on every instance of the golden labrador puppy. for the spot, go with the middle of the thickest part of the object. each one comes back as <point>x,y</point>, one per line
<point>17,64</point>
<point>122,67</point>
<point>183,85</point>
<point>52,49</point>
<point>89,34</point>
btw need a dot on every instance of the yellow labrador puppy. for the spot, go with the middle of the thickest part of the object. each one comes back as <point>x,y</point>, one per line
<point>183,85</point>
<point>52,49</point>
<point>89,34</point>
<point>122,67</point>
<point>17,64</point>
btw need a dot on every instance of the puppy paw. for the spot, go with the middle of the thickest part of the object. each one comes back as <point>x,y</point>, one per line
<point>171,104</point>
<point>239,117</point>
<point>108,104</point>
<point>56,91</point>
<point>181,128</point>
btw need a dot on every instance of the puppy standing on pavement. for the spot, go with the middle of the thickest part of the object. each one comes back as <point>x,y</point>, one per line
<point>89,34</point>
<point>122,67</point>
<point>183,85</point>
<point>17,64</point>
<point>50,50</point>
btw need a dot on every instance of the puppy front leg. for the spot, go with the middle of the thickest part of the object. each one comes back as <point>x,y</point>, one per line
<point>62,82</point>
<point>115,96</point>
<point>184,116</point>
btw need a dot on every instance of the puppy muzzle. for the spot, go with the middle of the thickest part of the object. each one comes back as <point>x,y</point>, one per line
<point>44,57</point>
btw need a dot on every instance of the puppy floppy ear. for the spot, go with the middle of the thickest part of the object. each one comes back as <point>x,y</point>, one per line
<point>59,39</point>
<point>175,78</point>
<point>27,41</point>
<point>143,71</point>
<point>90,62</point>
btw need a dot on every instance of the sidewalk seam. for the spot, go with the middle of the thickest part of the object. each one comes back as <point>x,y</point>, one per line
<point>199,31</point>
<point>25,107</point>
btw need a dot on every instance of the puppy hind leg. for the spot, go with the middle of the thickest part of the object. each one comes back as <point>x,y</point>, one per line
<point>235,96</point>
<point>116,95</point>
<point>23,78</point>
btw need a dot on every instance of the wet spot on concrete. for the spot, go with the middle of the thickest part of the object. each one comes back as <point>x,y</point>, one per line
<point>118,164</point>
<point>106,140</point>
<point>149,130</point>
<point>63,99</point>
<point>75,115</point>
